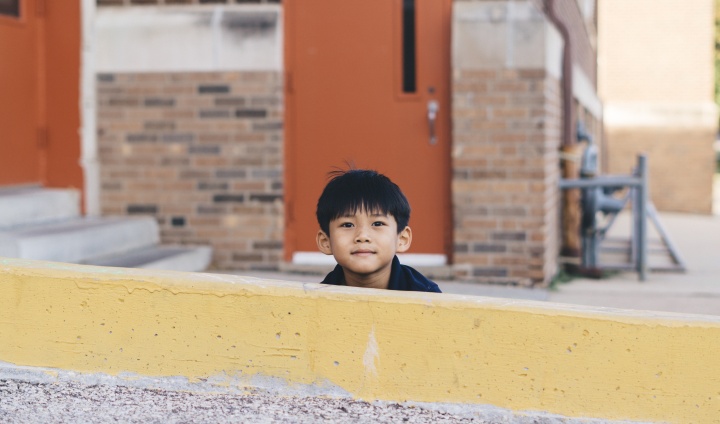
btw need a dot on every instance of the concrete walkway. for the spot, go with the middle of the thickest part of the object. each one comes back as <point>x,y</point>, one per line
<point>697,238</point>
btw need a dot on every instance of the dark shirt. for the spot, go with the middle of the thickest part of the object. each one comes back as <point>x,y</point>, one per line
<point>402,277</point>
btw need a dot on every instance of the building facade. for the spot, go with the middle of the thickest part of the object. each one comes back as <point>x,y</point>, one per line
<point>211,118</point>
<point>657,84</point>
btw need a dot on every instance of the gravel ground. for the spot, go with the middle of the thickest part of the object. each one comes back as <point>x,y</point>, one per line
<point>74,402</point>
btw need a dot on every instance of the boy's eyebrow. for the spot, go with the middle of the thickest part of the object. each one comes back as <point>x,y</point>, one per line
<point>352,215</point>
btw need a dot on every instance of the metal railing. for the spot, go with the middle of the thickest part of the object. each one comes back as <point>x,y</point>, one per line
<point>642,209</point>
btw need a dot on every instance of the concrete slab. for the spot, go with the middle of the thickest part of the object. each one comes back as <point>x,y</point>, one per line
<point>22,206</point>
<point>164,257</point>
<point>79,239</point>
<point>697,237</point>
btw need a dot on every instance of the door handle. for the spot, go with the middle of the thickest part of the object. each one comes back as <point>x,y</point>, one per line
<point>433,108</point>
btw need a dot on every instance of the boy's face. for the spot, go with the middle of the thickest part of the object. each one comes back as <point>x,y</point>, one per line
<point>364,244</point>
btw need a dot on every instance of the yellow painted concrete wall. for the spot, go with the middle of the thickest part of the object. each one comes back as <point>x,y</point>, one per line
<point>521,355</point>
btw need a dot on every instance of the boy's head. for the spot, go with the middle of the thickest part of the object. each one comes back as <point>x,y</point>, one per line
<point>363,218</point>
<point>356,190</point>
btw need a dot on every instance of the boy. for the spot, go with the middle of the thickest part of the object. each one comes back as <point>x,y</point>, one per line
<point>363,219</point>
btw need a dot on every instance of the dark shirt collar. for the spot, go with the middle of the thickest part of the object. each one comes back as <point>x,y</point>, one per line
<point>402,277</point>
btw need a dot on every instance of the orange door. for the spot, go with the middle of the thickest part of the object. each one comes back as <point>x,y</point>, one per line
<point>62,61</point>
<point>362,77</point>
<point>21,117</point>
<point>39,93</point>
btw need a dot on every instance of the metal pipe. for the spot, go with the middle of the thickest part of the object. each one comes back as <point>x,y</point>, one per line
<point>605,181</point>
<point>674,252</point>
<point>643,197</point>
<point>568,132</point>
<point>634,233</point>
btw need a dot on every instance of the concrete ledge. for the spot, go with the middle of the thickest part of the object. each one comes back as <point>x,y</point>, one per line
<point>498,34</point>
<point>521,355</point>
<point>680,116</point>
<point>186,38</point>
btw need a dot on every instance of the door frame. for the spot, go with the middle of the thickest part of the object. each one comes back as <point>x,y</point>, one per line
<point>88,111</point>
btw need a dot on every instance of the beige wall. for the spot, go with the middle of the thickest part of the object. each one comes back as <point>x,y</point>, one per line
<point>656,79</point>
<point>680,172</point>
<point>656,51</point>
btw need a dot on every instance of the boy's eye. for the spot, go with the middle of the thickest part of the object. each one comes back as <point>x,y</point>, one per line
<point>346,225</point>
<point>378,224</point>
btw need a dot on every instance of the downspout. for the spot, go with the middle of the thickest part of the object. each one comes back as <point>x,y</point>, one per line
<point>568,134</point>
<point>571,245</point>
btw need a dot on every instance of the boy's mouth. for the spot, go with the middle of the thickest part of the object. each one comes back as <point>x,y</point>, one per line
<point>363,252</point>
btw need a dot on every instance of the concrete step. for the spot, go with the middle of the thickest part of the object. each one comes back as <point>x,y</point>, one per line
<point>174,258</point>
<point>45,224</point>
<point>24,206</point>
<point>616,255</point>
<point>79,239</point>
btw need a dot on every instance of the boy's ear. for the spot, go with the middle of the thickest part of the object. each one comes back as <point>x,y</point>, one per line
<point>404,240</point>
<point>323,242</point>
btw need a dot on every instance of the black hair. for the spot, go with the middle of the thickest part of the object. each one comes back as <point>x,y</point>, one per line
<point>355,190</point>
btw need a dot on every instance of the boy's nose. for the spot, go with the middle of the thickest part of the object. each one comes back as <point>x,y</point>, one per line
<point>361,235</point>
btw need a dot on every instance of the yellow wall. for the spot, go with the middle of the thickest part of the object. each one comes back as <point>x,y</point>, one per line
<point>521,355</point>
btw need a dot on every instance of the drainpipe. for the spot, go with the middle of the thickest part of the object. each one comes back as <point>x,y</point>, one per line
<point>568,134</point>
<point>570,246</point>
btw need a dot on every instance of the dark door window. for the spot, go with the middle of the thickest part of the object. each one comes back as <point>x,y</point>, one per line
<point>408,46</point>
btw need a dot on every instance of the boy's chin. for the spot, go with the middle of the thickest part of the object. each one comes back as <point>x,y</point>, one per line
<point>362,271</point>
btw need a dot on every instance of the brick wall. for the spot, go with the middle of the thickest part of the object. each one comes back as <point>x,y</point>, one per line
<point>506,131</point>
<point>674,158</point>
<point>203,153</point>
